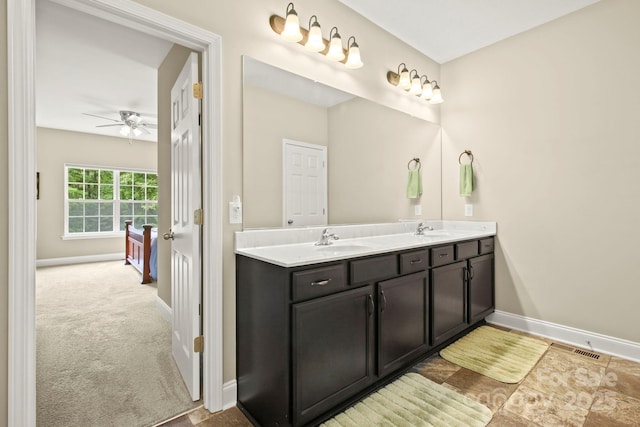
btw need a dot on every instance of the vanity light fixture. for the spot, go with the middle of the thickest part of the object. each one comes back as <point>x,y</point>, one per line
<point>289,29</point>
<point>414,84</point>
<point>353,55</point>
<point>336,53</point>
<point>315,42</point>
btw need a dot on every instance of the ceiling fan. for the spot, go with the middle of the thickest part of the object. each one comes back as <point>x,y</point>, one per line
<point>131,124</point>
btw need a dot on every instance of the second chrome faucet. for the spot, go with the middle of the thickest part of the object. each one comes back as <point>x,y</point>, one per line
<point>326,238</point>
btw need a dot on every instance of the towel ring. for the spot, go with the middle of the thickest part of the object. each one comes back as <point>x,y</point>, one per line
<point>417,165</point>
<point>468,153</point>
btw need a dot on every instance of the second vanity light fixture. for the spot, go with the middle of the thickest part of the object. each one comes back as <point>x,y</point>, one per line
<point>290,30</point>
<point>415,84</point>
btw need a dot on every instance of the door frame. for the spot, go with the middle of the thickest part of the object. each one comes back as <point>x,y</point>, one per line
<point>21,28</point>
<point>323,148</point>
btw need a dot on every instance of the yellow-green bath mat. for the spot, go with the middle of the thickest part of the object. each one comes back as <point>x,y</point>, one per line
<point>498,354</point>
<point>412,400</point>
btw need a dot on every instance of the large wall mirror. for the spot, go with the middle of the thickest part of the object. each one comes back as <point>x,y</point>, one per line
<point>368,149</point>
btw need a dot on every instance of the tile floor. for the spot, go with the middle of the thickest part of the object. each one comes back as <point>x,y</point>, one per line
<point>563,389</point>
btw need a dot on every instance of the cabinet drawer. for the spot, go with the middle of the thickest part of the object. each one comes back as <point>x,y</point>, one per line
<point>442,255</point>
<point>414,261</point>
<point>367,270</point>
<point>318,281</point>
<point>466,250</point>
<point>486,245</point>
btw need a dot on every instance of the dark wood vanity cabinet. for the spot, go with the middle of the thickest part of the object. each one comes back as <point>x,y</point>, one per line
<point>311,338</point>
<point>332,350</point>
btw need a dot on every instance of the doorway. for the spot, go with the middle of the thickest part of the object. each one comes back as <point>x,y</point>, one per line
<point>21,38</point>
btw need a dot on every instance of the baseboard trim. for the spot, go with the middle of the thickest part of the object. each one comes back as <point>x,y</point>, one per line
<point>576,337</point>
<point>50,262</point>
<point>229,394</point>
<point>164,309</point>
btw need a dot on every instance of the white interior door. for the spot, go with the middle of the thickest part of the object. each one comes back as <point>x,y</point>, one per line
<point>305,184</point>
<point>185,244</point>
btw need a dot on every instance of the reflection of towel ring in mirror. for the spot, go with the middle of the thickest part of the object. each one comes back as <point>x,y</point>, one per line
<point>468,153</point>
<point>417,164</point>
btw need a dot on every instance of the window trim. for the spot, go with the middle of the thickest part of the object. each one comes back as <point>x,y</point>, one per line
<point>116,201</point>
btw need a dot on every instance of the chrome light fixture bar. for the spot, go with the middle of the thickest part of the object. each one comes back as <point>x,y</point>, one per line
<point>289,29</point>
<point>415,84</point>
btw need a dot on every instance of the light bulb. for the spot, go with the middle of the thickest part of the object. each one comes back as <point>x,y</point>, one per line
<point>291,30</point>
<point>335,47</point>
<point>125,130</point>
<point>137,132</point>
<point>405,81</point>
<point>353,59</point>
<point>315,42</point>
<point>436,98</point>
<point>416,86</point>
<point>427,91</point>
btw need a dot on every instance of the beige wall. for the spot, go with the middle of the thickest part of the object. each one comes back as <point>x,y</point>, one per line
<point>55,148</point>
<point>4,214</point>
<point>552,119</point>
<point>167,74</point>
<point>371,146</point>
<point>268,118</point>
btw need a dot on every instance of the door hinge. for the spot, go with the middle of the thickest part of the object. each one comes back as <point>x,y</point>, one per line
<point>197,90</point>
<point>197,216</point>
<point>198,344</point>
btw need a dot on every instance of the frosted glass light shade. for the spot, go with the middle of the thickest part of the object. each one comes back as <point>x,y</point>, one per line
<point>315,42</point>
<point>436,98</point>
<point>405,81</point>
<point>416,86</point>
<point>125,130</point>
<point>291,30</point>
<point>353,59</point>
<point>427,91</point>
<point>335,49</point>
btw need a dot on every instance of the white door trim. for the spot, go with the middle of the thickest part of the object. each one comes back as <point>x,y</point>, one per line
<point>22,204</point>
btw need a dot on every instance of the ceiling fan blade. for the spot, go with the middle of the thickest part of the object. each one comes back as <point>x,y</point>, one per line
<point>102,117</point>
<point>144,129</point>
<point>106,126</point>
<point>150,125</point>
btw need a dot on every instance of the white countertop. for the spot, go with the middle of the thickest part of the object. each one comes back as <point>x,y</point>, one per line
<point>287,250</point>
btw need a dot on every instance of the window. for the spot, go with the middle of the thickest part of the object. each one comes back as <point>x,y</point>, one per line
<point>101,200</point>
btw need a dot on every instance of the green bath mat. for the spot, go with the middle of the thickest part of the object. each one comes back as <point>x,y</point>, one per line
<point>498,354</point>
<point>412,400</point>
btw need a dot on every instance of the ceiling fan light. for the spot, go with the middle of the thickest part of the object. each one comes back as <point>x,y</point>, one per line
<point>136,132</point>
<point>125,130</point>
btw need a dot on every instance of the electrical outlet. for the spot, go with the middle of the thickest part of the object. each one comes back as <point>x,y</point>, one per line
<point>235,213</point>
<point>417,210</point>
<point>468,209</point>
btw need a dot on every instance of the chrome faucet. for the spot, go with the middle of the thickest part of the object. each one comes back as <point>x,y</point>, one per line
<point>421,228</point>
<point>326,238</point>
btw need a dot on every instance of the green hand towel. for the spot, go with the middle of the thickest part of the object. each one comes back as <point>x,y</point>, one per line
<point>414,184</point>
<point>466,180</point>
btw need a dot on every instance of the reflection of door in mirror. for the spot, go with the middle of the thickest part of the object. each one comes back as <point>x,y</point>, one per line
<point>305,183</point>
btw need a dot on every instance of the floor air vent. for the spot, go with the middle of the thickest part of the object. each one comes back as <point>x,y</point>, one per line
<point>586,353</point>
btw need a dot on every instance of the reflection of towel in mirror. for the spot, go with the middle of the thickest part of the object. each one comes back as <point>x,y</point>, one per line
<point>414,184</point>
<point>466,180</point>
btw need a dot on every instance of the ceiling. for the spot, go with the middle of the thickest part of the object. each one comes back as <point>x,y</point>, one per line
<point>447,29</point>
<point>88,65</point>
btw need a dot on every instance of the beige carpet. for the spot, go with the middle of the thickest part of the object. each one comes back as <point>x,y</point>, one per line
<point>412,401</point>
<point>498,354</point>
<point>103,350</point>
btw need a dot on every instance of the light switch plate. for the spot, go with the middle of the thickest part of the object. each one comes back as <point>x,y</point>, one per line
<point>417,210</point>
<point>468,209</point>
<point>235,213</point>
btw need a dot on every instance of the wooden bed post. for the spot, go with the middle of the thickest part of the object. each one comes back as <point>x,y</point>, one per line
<point>146,269</point>
<point>127,223</point>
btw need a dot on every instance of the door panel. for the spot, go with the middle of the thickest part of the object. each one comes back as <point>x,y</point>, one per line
<point>185,246</point>
<point>448,301</point>
<point>305,184</point>
<point>481,297</point>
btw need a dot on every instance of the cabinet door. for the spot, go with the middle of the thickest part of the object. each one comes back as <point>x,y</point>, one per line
<point>481,288</point>
<point>448,301</point>
<point>333,350</point>
<point>403,307</point>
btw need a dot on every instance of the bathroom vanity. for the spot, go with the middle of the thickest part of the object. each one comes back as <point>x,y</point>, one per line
<point>319,326</point>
